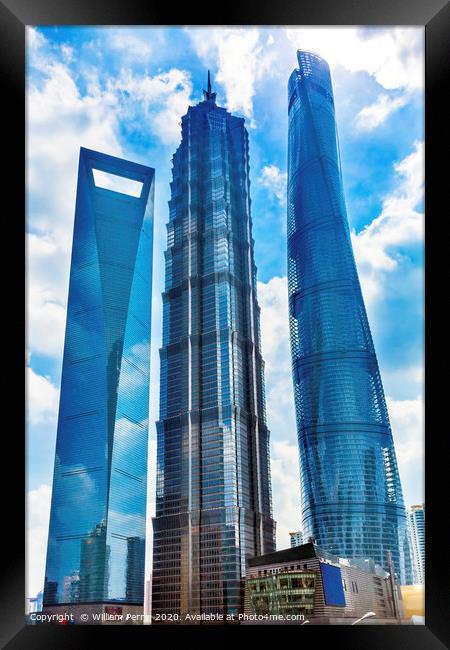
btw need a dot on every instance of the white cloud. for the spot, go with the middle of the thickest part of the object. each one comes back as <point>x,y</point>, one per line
<point>407,422</point>
<point>275,343</point>
<point>42,398</point>
<point>273,300</point>
<point>47,279</point>
<point>132,46</point>
<point>35,40</point>
<point>286,497</point>
<point>393,56</point>
<point>407,425</point>
<point>275,180</point>
<point>406,415</point>
<point>372,116</point>
<point>163,99</point>
<point>59,121</point>
<point>38,515</point>
<point>399,224</point>
<point>242,59</point>
<point>67,52</point>
<point>405,380</point>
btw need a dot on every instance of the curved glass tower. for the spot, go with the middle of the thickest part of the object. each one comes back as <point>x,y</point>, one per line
<point>351,494</point>
<point>213,499</point>
<point>97,523</point>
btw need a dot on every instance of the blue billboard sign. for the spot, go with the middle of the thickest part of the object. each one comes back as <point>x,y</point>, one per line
<point>332,585</point>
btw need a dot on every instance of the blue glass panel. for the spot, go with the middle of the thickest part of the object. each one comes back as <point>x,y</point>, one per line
<point>352,500</point>
<point>213,499</point>
<point>333,589</point>
<point>97,522</point>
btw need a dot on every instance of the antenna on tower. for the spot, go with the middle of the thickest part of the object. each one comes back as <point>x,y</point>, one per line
<point>207,94</point>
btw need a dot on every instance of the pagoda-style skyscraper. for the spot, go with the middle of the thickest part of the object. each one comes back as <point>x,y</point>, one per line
<point>351,494</point>
<point>213,501</point>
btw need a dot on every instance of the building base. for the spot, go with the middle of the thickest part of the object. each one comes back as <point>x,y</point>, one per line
<point>92,614</point>
<point>325,620</point>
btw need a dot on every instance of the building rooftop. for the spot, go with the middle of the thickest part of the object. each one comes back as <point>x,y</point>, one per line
<point>303,552</point>
<point>311,550</point>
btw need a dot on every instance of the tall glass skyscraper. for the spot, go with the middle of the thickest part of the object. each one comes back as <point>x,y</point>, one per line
<point>416,526</point>
<point>352,499</point>
<point>213,500</point>
<point>97,523</point>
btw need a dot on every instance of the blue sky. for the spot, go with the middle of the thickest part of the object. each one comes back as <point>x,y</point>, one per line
<point>123,91</point>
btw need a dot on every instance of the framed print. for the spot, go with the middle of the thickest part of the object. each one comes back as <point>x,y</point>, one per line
<point>229,374</point>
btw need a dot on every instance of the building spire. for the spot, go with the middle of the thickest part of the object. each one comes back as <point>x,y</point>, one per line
<point>207,94</point>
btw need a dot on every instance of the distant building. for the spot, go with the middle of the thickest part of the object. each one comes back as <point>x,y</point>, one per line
<point>296,538</point>
<point>94,557</point>
<point>414,602</point>
<point>34,604</point>
<point>148,597</point>
<point>135,569</point>
<point>416,528</point>
<point>307,580</point>
<point>40,598</point>
<point>50,589</point>
<point>71,587</point>
<point>31,605</point>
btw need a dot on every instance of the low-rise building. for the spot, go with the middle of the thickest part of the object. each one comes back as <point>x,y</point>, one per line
<point>323,588</point>
<point>414,602</point>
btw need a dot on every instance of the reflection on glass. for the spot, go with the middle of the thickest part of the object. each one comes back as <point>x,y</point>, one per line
<point>94,565</point>
<point>352,500</point>
<point>100,476</point>
<point>135,567</point>
<point>213,500</point>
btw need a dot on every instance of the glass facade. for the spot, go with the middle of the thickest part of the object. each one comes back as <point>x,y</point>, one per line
<point>282,593</point>
<point>213,499</point>
<point>296,538</point>
<point>352,500</point>
<point>416,526</point>
<point>97,522</point>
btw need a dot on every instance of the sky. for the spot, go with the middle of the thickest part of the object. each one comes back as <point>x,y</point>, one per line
<point>122,91</point>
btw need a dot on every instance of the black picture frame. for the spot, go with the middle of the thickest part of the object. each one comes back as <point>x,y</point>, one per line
<point>435,16</point>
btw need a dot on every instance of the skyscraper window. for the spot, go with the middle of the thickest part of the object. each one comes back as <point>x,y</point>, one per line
<point>352,499</point>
